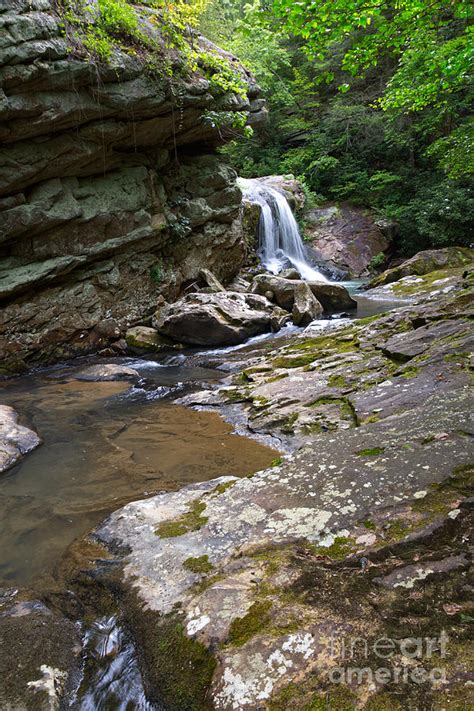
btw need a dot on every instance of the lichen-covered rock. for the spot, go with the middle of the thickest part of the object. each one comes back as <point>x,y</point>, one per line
<point>96,215</point>
<point>241,587</point>
<point>430,260</point>
<point>220,319</point>
<point>15,440</point>
<point>344,238</point>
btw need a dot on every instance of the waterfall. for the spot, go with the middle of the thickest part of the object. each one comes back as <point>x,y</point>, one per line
<point>279,237</point>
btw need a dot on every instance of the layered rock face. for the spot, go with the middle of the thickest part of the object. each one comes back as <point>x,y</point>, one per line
<point>109,189</point>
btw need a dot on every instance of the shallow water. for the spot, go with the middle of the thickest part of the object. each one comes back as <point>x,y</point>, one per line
<point>104,444</point>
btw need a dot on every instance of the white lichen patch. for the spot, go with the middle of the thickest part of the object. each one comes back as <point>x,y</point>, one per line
<point>249,677</point>
<point>52,683</point>
<point>409,582</point>
<point>298,522</point>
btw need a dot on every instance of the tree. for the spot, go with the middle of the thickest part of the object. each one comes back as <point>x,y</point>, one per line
<point>431,41</point>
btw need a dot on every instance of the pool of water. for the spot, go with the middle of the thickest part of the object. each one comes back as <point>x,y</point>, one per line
<point>104,444</point>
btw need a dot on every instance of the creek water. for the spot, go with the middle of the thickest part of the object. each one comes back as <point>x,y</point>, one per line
<point>104,444</point>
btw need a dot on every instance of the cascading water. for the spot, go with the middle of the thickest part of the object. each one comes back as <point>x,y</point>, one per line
<point>280,241</point>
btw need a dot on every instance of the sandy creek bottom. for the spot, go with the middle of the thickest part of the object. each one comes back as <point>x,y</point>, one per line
<point>104,444</point>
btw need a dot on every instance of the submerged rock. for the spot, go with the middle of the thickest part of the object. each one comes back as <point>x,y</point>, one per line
<point>15,440</point>
<point>108,371</point>
<point>220,319</point>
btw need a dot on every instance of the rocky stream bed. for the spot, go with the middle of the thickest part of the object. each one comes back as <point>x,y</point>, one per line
<point>338,577</point>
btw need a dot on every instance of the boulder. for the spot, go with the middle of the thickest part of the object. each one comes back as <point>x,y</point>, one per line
<point>283,289</point>
<point>212,281</point>
<point>333,297</point>
<point>306,307</point>
<point>143,338</point>
<point>221,319</point>
<point>290,274</point>
<point>429,260</point>
<point>108,371</point>
<point>344,238</point>
<point>15,440</point>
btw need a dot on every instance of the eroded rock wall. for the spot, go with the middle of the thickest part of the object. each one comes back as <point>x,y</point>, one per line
<point>110,191</point>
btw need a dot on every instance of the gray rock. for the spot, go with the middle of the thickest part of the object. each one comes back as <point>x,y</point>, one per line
<point>212,282</point>
<point>15,440</point>
<point>306,307</point>
<point>144,338</point>
<point>108,371</point>
<point>427,261</point>
<point>221,319</point>
<point>333,297</point>
<point>408,575</point>
<point>344,238</point>
<point>91,228</point>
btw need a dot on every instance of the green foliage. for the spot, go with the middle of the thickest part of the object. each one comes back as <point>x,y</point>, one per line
<point>369,103</point>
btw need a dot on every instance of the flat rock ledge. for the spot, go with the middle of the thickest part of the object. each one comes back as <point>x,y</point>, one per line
<point>240,592</point>
<point>15,440</point>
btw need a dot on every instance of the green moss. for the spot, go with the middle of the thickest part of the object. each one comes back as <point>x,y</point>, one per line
<point>275,378</point>
<point>370,452</point>
<point>371,418</point>
<point>339,549</point>
<point>440,496</point>
<point>398,529</point>
<point>276,462</point>
<point>190,521</point>
<point>288,425</point>
<point>304,697</point>
<point>382,702</point>
<point>426,283</point>
<point>369,524</point>
<point>235,395</point>
<point>337,381</point>
<point>410,372</point>
<point>198,565</point>
<point>244,628</point>
<point>294,361</point>
<point>222,487</point>
<point>367,319</point>
<point>179,668</point>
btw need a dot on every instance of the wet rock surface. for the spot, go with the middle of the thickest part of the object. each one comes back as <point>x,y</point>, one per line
<point>40,654</point>
<point>15,439</point>
<point>361,532</point>
<point>108,371</point>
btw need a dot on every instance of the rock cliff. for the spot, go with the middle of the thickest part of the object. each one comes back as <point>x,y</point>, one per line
<point>110,190</point>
